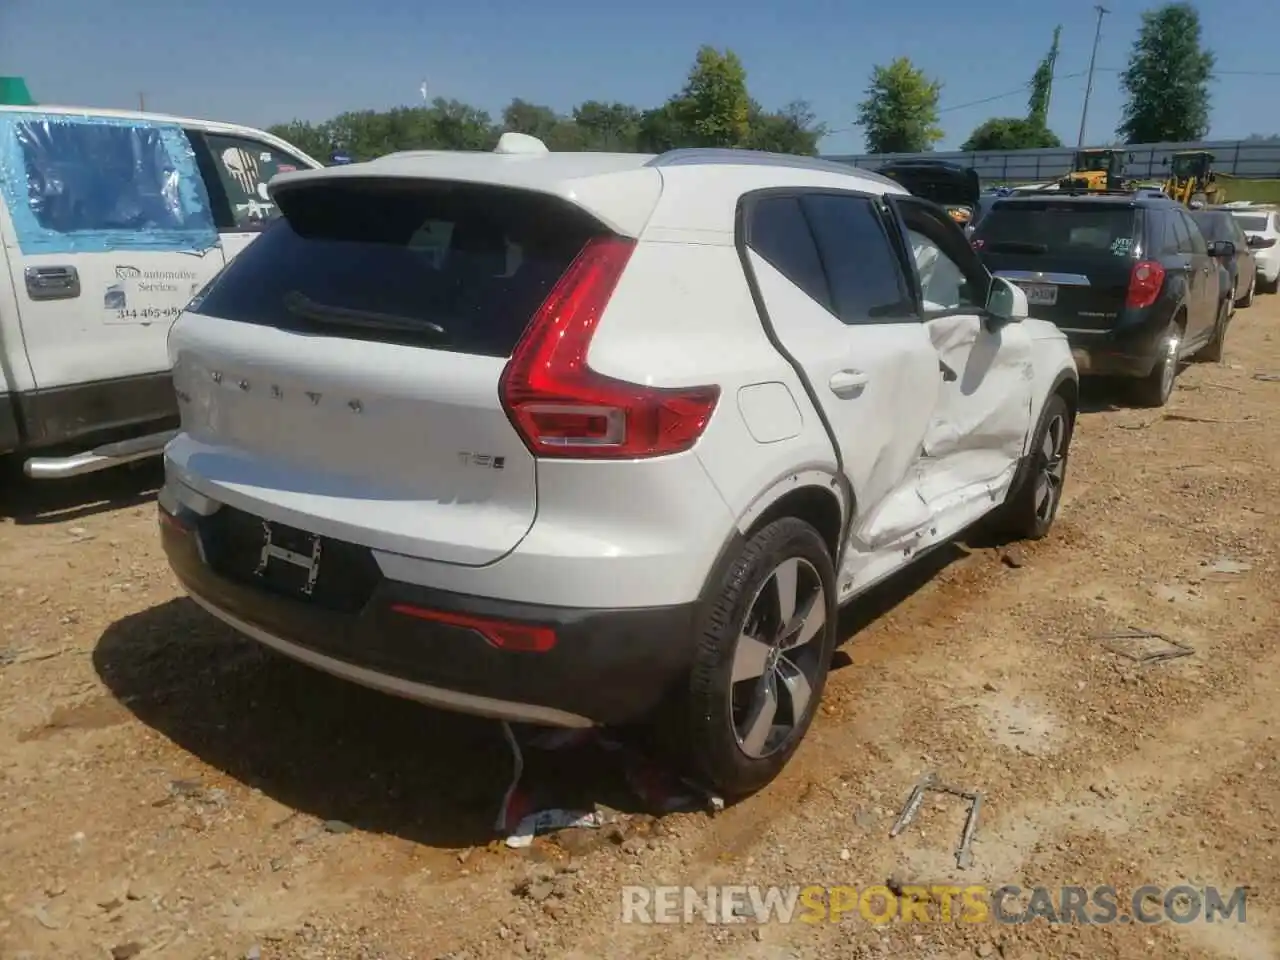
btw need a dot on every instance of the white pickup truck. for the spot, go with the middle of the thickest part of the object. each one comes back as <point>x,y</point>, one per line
<point>110,222</point>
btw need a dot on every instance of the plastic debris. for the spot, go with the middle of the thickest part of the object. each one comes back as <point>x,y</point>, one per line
<point>544,821</point>
<point>659,789</point>
<point>515,804</point>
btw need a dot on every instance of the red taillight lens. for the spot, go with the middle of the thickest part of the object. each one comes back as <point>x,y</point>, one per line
<point>562,408</point>
<point>1145,283</point>
<point>523,637</point>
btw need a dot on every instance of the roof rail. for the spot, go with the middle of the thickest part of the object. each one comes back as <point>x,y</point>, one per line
<point>1150,192</point>
<point>690,156</point>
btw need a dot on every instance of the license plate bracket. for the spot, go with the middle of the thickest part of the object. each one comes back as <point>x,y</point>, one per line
<point>289,558</point>
<point>1040,294</point>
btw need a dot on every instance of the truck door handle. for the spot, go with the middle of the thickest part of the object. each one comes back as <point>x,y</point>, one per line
<point>52,283</point>
<point>847,383</point>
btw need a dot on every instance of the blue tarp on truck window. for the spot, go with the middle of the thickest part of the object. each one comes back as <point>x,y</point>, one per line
<point>84,184</point>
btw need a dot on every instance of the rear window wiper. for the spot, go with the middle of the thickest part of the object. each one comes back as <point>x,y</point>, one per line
<point>1017,246</point>
<point>299,304</point>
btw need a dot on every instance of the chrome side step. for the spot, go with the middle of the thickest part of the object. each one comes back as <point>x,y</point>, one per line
<point>102,458</point>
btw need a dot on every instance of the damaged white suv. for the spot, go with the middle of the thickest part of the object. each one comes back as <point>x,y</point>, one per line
<point>583,438</point>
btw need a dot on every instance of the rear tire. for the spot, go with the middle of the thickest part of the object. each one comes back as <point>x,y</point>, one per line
<point>1269,286</point>
<point>1155,389</point>
<point>1211,352</point>
<point>1030,508</point>
<point>761,662</point>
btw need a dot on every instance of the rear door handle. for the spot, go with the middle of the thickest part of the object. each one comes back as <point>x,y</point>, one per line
<point>847,383</point>
<point>52,283</point>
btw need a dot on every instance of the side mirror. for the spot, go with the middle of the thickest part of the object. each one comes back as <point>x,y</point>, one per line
<point>1222,249</point>
<point>1007,301</point>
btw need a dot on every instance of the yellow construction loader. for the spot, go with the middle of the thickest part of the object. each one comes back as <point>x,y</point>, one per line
<point>1192,180</point>
<point>1101,169</point>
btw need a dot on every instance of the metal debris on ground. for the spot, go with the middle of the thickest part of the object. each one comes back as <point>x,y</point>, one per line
<point>1227,567</point>
<point>1127,643</point>
<point>930,783</point>
<point>1267,377</point>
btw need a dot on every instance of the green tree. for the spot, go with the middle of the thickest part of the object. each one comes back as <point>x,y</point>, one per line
<point>1042,84</point>
<point>310,138</point>
<point>1010,133</point>
<point>793,129</point>
<point>900,112</point>
<point>612,127</point>
<point>521,116</point>
<point>1167,80</point>
<point>661,129</point>
<point>713,109</point>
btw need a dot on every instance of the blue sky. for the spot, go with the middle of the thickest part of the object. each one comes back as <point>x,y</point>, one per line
<point>272,60</point>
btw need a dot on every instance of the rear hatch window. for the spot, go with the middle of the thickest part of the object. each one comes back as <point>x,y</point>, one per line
<point>457,267</point>
<point>1073,259</point>
<point>1058,229</point>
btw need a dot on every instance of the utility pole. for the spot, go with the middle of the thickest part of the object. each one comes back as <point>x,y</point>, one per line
<point>142,101</point>
<point>1053,67</point>
<point>1093,59</point>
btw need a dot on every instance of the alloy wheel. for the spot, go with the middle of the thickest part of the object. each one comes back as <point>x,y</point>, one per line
<point>1170,369</point>
<point>1053,467</point>
<point>777,659</point>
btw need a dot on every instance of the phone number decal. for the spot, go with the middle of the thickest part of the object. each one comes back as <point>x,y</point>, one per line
<point>144,314</point>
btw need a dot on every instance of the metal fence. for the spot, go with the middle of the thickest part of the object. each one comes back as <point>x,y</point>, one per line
<point>1249,159</point>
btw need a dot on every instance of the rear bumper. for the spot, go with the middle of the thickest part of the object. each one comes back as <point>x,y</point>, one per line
<point>1128,352</point>
<point>606,666</point>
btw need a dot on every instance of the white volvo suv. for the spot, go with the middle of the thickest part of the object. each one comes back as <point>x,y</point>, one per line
<point>577,438</point>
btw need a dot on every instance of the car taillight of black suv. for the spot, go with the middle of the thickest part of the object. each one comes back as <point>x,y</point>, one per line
<point>1129,278</point>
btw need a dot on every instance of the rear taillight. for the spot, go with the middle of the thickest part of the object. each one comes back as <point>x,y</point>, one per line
<point>563,408</point>
<point>1145,283</point>
<point>977,243</point>
<point>1262,243</point>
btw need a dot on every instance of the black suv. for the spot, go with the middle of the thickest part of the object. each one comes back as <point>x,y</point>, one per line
<point>1128,277</point>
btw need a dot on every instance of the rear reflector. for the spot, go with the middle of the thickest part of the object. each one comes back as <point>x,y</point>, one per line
<point>563,408</point>
<point>521,637</point>
<point>1145,283</point>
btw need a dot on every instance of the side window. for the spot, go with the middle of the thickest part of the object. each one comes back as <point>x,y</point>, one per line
<point>1198,246</point>
<point>950,276</point>
<point>780,234</point>
<point>942,284</point>
<point>244,167</point>
<point>863,271</point>
<point>81,182</point>
<point>1166,234</point>
<point>1182,227</point>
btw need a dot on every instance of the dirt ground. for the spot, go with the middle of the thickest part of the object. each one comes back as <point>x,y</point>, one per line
<point>167,790</point>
